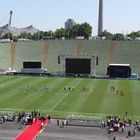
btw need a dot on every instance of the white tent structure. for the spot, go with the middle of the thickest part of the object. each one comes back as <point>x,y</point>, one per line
<point>17,31</point>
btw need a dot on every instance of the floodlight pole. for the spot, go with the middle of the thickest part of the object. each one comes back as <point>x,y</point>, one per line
<point>100,18</point>
<point>10,20</point>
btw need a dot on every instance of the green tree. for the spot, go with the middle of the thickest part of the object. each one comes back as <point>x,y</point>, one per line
<point>59,33</point>
<point>134,35</point>
<point>107,35</point>
<point>15,38</point>
<point>25,35</point>
<point>86,29</point>
<point>83,29</point>
<point>75,30</point>
<point>8,35</point>
<point>118,36</point>
<point>38,36</point>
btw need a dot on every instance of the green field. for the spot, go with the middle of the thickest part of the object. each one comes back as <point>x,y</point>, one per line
<point>48,96</point>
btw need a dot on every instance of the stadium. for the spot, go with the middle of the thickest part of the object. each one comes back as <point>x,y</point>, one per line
<point>74,89</point>
<point>70,97</point>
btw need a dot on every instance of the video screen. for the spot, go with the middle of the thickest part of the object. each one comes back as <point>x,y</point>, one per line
<point>78,66</point>
<point>31,64</point>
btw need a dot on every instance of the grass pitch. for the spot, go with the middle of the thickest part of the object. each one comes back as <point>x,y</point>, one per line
<point>60,97</point>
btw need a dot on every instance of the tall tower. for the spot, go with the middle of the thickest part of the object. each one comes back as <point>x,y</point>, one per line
<point>10,20</point>
<point>100,18</point>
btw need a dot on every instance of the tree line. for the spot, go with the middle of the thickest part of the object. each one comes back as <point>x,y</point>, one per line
<point>119,36</point>
<point>84,30</point>
<point>78,30</point>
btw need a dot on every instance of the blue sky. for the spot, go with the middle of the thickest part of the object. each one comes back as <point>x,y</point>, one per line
<point>119,15</point>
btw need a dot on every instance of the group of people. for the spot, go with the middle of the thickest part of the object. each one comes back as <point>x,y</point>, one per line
<point>115,124</point>
<point>33,117</point>
<point>62,122</point>
<point>28,88</point>
<point>86,89</point>
<point>43,119</point>
<point>118,92</point>
<point>68,88</point>
<point>130,134</point>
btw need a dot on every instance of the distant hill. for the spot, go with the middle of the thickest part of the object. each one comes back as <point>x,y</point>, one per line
<point>17,31</point>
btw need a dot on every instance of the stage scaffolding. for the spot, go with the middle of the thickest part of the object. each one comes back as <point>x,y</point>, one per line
<point>93,59</point>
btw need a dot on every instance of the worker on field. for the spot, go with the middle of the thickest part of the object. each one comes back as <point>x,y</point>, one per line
<point>57,121</point>
<point>62,123</point>
<point>49,118</point>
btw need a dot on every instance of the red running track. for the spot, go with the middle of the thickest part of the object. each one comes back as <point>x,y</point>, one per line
<point>31,131</point>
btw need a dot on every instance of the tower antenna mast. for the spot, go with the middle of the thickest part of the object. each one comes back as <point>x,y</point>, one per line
<point>10,19</point>
<point>100,19</point>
